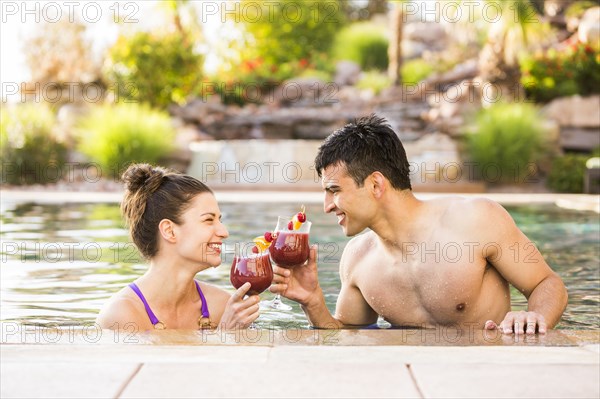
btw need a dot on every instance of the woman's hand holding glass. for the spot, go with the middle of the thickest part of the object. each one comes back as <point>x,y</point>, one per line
<point>240,312</point>
<point>254,270</point>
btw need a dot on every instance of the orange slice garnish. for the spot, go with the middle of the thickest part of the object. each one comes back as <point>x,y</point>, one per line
<point>261,243</point>
<point>296,222</point>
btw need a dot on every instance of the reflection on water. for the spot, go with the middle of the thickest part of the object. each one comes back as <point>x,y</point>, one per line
<point>61,263</point>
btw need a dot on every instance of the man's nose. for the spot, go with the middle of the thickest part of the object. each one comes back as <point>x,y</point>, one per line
<point>328,204</point>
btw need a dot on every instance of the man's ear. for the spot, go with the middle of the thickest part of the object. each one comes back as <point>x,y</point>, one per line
<point>167,230</point>
<point>377,184</point>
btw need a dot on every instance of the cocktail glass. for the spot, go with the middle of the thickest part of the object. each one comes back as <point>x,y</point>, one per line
<point>253,268</point>
<point>289,248</point>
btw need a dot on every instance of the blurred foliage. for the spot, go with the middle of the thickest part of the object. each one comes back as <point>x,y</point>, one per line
<point>255,80</point>
<point>156,68</point>
<point>116,135</point>
<point>509,137</point>
<point>60,53</point>
<point>374,80</point>
<point>289,30</point>
<point>415,70</point>
<point>578,8</point>
<point>364,43</point>
<point>31,151</point>
<point>518,30</point>
<point>551,74</point>
<point>567,173</point>
<point>277,41</point>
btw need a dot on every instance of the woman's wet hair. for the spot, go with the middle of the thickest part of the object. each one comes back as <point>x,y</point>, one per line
<point>153,193</point>
<point>368,145</point>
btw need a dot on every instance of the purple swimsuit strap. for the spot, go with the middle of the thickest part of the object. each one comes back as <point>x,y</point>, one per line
<point>205,312</point>
<point>153,319</point>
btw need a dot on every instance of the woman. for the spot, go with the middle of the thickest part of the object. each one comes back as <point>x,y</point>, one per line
<point>175,222</point>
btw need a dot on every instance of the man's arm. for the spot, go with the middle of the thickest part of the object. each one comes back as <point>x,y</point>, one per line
<point>301,285</point>
<point>522,265</point>
<point>351,310</point>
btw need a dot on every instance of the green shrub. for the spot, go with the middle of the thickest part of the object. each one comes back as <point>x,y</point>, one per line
<point>506,142</point>
<point>158,69</point>
<point>281,40</point>
<point>567,173</point>
<point>552,74</point>
<point>373,80</point>
<point>31,151</point>
<point>289,30</point>
<point>578,8</point>
<point>364,43</point>
<point>416,70</point>
<point>114,136</point>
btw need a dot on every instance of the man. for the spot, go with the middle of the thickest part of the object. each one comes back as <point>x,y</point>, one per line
<point>446,261</point>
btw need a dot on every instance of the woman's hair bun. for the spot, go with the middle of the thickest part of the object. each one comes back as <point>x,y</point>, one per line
<point>143,177</point>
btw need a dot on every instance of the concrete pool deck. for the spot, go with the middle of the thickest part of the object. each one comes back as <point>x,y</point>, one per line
<point>298,364</point>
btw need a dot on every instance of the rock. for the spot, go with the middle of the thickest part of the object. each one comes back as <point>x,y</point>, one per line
<point>412,49</point>
<point>277,131</point>
<point>575,111</point>
<point>464,71</point>
<point>199,110</point>
<point>301,92</point>
<point>589,27</point>
<point>348,96</point>
<point>431,34</point>
<point>434,158</point>
<point>579,139</point>
<point>347,73</point>
<point>449,109</point>
<point>554,8</point>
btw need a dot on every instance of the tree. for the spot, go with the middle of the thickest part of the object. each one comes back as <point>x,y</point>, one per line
<point>395,46</point>
<point>160,67</point>
<point>156,68</point>
<point>289,30</point>
<point>377,7</point>
<point>59,53</point>
<point>498,60</point>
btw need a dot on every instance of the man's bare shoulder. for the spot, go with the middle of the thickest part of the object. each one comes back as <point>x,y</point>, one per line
<point>361,242</point>
<point>471,210</point>
<point>356,250</point>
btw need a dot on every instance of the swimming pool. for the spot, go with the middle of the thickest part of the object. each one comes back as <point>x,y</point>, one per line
<point>61,262</point>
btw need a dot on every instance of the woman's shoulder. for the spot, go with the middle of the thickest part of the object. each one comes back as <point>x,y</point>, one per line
<point>213,290</point>
<point>121,310</point>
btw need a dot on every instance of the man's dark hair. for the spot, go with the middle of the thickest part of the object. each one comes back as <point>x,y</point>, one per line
<point>366,146</point>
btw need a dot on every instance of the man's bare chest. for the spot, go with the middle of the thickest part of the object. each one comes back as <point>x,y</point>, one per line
<point>428,291</point>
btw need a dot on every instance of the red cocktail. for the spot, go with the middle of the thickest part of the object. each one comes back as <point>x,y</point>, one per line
<point>255,269</point>
<point>290,248</point>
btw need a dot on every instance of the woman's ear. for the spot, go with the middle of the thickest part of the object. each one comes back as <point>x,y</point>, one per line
<point>377,184</point>
<point>167,230</point>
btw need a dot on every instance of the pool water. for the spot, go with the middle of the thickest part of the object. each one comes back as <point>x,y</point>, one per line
<point>60,263</point>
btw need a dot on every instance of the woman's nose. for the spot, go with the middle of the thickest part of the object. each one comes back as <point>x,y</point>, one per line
<point>222,231</point>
